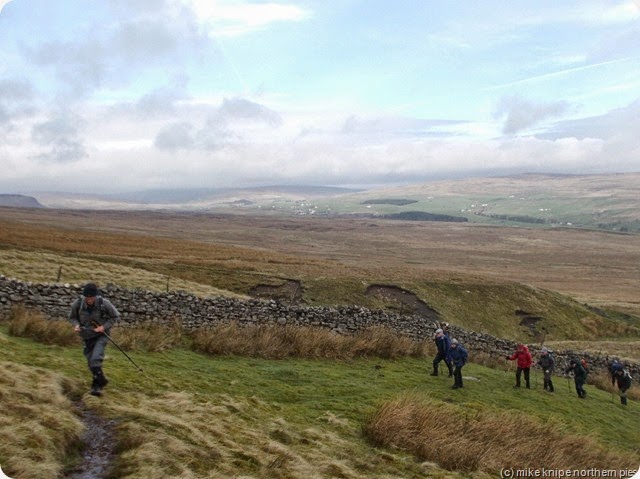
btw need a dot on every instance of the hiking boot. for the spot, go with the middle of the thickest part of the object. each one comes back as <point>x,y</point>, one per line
<point>96,391</point>
<point>550,387</point>
<point>99,379</point>
<point>455,386</point>
<point>623,400</point>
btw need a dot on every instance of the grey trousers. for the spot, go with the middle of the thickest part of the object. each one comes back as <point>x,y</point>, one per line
<point>94,350</point>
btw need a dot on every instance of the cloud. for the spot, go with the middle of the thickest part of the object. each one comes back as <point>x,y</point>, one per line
<point>241,109</point>
<point>618,124</point>
<point>126,44</point>
<point>3,3</point>
<point>520,114</point>
<point>175,137</point>
<point>235,121</point>
<point>232,18</point>
<point>60,139</point>
<point>16,97</point>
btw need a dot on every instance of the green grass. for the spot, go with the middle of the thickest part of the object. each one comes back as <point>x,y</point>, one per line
<point>299,402</point>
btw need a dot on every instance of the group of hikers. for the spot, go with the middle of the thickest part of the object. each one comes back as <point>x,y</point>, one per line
<point>93,316</point>
<point>455,355</point>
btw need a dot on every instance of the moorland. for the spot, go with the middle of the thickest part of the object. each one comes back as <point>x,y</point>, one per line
<point>237,416</point>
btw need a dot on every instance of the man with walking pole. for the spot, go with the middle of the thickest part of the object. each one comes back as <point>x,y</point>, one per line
<point>623,378</point>
<point>93,316</point>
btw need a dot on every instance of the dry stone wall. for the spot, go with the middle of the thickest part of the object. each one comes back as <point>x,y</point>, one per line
<point>195,313</point>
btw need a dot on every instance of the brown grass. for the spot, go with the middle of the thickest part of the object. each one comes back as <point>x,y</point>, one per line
<point>149,336</point>
<point>32,324</point>
<point>178,434</point>
<point>37,423</point>
<point>602,381</point>
<point>279,342</point>
<point>593,266</point>
<point>472,440</point>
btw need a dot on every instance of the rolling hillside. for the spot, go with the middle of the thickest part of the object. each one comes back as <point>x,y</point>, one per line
<point>607,202</point>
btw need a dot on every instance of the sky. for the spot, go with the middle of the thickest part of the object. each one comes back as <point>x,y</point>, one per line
<point>101,96</point>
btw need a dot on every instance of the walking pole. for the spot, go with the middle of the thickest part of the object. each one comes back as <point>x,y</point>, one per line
<point>121,350</point>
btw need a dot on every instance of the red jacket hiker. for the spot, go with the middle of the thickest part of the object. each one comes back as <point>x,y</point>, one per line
<point>524,363</point>
<point>523,356</point>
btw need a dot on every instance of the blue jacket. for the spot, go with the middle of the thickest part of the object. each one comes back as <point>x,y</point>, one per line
<point>458,356</point>
<point>443,344</point>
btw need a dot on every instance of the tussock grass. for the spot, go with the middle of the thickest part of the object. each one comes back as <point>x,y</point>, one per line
<point>603,381</point>
<point>149,337</point>
<point>466,439</point>
<point>32,324</point>
<point>279,342</point>
<point>37,424</point>
<point>177,434</point>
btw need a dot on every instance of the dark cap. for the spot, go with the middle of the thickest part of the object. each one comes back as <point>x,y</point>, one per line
<point>90,289</point>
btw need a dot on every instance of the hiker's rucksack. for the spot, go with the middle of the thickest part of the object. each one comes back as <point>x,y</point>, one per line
<point>103,311</point>
<point>584,365</point>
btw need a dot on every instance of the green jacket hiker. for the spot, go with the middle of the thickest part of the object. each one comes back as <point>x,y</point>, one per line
<point>579,376</point>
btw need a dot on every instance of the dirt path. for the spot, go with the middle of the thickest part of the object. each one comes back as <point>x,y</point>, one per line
<point>99,445</point>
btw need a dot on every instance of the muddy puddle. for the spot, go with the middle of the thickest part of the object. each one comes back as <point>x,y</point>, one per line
<point>99,442</point>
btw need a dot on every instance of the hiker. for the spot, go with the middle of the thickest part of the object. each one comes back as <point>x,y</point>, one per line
<point>623,378</point>
<point>613,368</point>
<point>579,376</point>
<point>547,363</point>
<point>443,344</point>
<point>92,316</point>
<point>523,356</point>
<point>458,357</point>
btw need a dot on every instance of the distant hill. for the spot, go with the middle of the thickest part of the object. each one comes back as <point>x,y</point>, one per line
<point>19,201</point>
<point>195,199</point>
<point>609,202</point>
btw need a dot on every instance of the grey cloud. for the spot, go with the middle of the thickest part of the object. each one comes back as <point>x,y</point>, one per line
<point>621,122</point>
<point>144,41</point>
<point>110,55</point>
<point>219,129</point>
<point>521,114</point>
<point>13,90</point>
<point>161,100</point>
<point>211,138</point>
<point>59,138</point>
<point>175,137</point>
<point>79,67</point>
<point>16,97</point>
<point>242,109</point>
